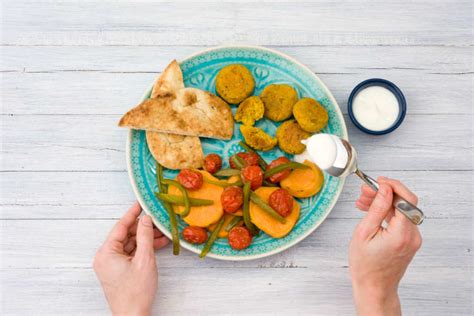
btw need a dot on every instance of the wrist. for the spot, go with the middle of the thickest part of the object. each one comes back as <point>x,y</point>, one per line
<point>133,312</point>
<point>376,301</point>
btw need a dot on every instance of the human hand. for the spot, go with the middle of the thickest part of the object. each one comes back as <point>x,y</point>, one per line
<point>126,266</point>
<point>379,256</point>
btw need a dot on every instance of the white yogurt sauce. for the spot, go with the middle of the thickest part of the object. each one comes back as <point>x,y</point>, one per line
<point>375,108</point>
<point>321,149</point>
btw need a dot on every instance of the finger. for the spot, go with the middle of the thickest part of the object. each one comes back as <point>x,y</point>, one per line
<point>133,230</point>
<point>144,239</point>
<point>365,190</point>
<point>400,189</point>
<point>160,242</point>
<point>157,233</point>
<point>362,206</point>
<point>120,231</point>
<point>365,207</point>
<point>377,212</point>
<point>366,200</point>
<point>130,245</point>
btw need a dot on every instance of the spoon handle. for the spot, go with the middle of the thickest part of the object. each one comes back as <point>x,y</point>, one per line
<point>413,213</point>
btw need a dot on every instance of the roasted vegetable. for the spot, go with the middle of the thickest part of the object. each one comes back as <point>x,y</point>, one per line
<point>304,183</point>
<point>228,219</point>
<point>267,222</point>
<point>205,215</point>
<point>169,210</point>
<point>212,238</point>
<point>227,173</point>
<point>261,162</point>
<point>185,197</point>
<point>246,210</point>
<point>262,204</point>
<point>175,199</point>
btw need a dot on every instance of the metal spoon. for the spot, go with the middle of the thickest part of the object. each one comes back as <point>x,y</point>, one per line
<point>346,163</point>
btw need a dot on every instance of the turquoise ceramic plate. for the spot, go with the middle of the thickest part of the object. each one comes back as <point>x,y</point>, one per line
<point>267,66</point>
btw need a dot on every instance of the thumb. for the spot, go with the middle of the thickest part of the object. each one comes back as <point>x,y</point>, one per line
<point>378,210</point>
<point>144,238</point>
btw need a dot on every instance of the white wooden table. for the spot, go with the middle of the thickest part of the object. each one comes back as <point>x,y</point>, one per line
<point>70,69</point>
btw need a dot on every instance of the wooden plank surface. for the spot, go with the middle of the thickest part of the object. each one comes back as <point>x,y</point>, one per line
<point>69,69</point>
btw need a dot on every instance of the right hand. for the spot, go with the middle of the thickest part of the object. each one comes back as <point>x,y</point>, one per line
<point>378,256</point>
<point>126,265</point>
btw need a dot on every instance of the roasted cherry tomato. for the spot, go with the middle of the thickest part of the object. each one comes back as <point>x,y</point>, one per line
<point>239,238</point>
<point>194,234</point>
<point>254,175</point>
<point>212,163</point>
<point>251,159</point>
<point>277,177</point>
<point>232,199</point>
<point>190,179</point>
<point>281,201</point>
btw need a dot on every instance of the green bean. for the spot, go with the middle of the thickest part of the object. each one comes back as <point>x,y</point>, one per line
<point>187,207</point>
<point>238,161</point>
<point>269,184</point>
<point>223,184</point>
<point>267,208</point>
<point>227,173</point>
<point>212,238</point>
<point>178,200</point>
<point>246,211</point>
<point>233,222</point>
<point>159,177</point>
<point>263,164</point>
<point>174,227</point>
<point>169,210</point>
<point>279,168</point>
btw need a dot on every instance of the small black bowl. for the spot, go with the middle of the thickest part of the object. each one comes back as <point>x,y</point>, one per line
<point>382,83</point>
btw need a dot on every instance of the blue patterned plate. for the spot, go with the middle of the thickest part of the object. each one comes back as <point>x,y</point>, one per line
<point>267,66</point>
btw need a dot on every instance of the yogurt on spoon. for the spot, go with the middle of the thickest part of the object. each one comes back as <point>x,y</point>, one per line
<point>320,149</point>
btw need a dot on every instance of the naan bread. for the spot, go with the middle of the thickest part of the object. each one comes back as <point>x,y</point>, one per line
<point>175,151</point>
<point>190,111</point>
<point>170,81</point>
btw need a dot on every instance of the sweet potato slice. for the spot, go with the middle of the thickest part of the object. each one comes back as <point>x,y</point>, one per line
<point>202,216</point>
<point>304,183</point>
<point>266,222</point>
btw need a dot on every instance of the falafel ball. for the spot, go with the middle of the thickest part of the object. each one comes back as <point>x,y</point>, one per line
<point>250,110</point>
<point>234,83</point>
<point>279,100</point>
<point>257,138</point>
<point>311,115</point>
<point>290,135</point>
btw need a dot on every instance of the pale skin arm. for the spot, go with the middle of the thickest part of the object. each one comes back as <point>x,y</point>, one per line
<point>379,256</point>
<point>126,265</point>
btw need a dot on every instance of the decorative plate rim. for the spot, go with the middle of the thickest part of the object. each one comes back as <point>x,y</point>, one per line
<point>278,249</point>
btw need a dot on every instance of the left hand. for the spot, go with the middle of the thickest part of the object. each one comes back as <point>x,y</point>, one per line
<point>126,266</point>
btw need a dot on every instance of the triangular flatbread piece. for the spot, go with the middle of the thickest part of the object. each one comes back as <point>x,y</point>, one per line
<point>175,151</point>
<point>170,81</point>
<point>191,111</point>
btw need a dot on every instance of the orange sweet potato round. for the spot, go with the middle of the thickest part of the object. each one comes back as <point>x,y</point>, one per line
<point>304,183</point>
<point>202,216</point>
<point>266,222</point>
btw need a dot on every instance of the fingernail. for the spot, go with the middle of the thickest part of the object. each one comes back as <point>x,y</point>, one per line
<point>146,220</point>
